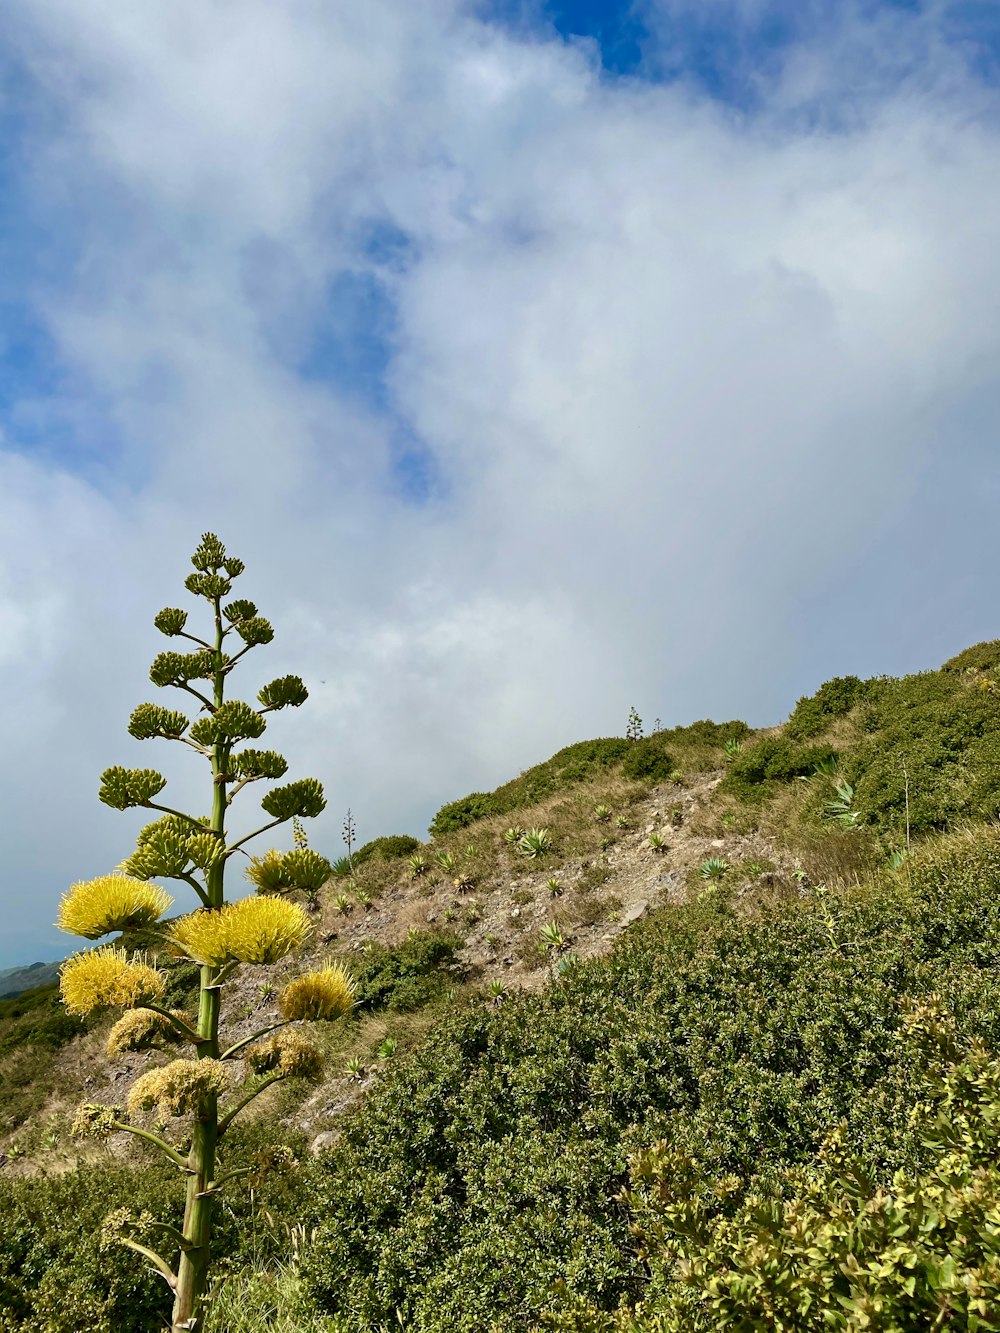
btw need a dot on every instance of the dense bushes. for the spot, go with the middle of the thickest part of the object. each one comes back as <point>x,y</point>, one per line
<point>980,657</point>
<point>769,760</point>
<point>814,713</point>
<point>647,760</point>
<point>387,848</point>
<point>405,976</point>
<point>570,765</point>
<point>59,1271</point>
<point>947,734</point>
<point>484,1167</point>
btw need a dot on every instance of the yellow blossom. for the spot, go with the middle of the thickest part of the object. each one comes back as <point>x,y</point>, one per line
<point>178,1088</point>
<point>107,976</point>
<point>141,1028</point>
<point>326,994</point>
<point>99,906</point>
<point>287,1054</point>
<point>253,930</point>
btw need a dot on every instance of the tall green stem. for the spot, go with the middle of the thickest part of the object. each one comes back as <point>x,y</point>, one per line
<point>192,1270</point>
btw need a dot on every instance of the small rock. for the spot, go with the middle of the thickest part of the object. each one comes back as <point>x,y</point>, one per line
<point>323,1141</point>
<point>633,913</point>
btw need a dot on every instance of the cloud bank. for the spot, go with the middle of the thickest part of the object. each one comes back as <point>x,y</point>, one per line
<point>526,392</point>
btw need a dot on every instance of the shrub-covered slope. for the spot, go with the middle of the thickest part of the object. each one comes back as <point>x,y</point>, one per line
<point>775,1103</point>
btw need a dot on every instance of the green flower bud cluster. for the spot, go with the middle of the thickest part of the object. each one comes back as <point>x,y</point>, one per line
<point>241,609</point>
<point>258,764</point>
<point>231,721</point>
<point>303,798</point>
<point>122,788</point>
<point>171,620</point>
<point>209,553</point>
<point>210,586</point>
<point>169,847</point>
<point>149,720</point>
<point>284,692</point>
<point>306,869</point>
<point>255,631</point>
<point>179,668</point>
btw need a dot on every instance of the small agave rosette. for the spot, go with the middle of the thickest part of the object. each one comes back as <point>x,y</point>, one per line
<point>253,930</point>
<point>324,995</point>
<point>108,977</point>
<point>101,906</point>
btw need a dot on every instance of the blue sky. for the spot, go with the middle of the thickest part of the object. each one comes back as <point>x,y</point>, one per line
<point>539,360</point>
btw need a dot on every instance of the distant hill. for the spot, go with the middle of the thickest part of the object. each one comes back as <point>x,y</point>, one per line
<point>14,980</point>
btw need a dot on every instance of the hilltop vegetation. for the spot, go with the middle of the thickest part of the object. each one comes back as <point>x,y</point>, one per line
<point>773,1104</point>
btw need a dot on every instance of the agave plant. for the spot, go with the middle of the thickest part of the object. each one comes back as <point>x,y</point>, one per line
<point>387,1048</point>
<point>623,822</point>
<point>841,809</point>
<point>713,869</point>
<point>362,897</point>
<point>513,835</point>
<point>464,882</point>
<point>656,842</point>
<point>551,936</point>
<point>342,867</point>
<point>343,904</point>
<point>602,813</point>
<point>554,887</point>
<point>733,748</point>
<point>446,861</point>
<point>535,842</point>
<point>418,865</point>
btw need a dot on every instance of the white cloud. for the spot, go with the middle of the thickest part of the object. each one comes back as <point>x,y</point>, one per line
<point>678,369</point>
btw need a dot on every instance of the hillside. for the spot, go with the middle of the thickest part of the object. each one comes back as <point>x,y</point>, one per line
<point>631,1029</point>
<point>14,980</point>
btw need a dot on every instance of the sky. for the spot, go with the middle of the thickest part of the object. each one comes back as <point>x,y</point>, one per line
<point>539,360</point>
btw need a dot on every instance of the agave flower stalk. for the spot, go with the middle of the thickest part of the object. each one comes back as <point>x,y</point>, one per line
<point>219,936</point>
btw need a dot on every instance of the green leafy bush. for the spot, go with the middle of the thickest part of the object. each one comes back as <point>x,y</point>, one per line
<point>947,734</point>
<point>980,657</point>
<point>812,714</point>
<point>483,1168</point>
<point>59,1274</point>
<point>648,760</point>
<point>832,1247</point>
<point>770,760</point>
<point>386,848</point>
<point>573,764</point>
<point>408,975</point>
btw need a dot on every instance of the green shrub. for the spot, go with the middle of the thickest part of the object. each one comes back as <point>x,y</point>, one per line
<point>833,1248</point>
<point>948,736</point>
<point>387,848</point>
<point>770,760</point>
<point>648,760</point>
<point>406,976</point>
<point>58,1274</point>
<point>814,713</point>
<point>980,657</point>
<point>484,1167</point>
<point>573,764</point>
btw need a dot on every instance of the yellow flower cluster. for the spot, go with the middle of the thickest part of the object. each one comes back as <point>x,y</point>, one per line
<point>253,930</point>
<point>178,1088</point>
<point>107,976</point>
<point>139,1029</point>
<point>92,1118</point>
<point>287,1054</point>
<point>326,994</point>
<point>99,906</point>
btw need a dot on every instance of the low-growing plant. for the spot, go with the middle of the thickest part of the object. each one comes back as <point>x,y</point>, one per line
<point>623,822</point>
<point>387,1048</point>
<point>513,835</point>
<point>343,904</point>
<point>405,976</point>
<point>446,861</point>
<point>656,842</point>
<point>551,936</point>
<point>602,813</point>
<point>418,865</point>
<point>554,887</point>
<point>535,843</point>
<point>713,868</point>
